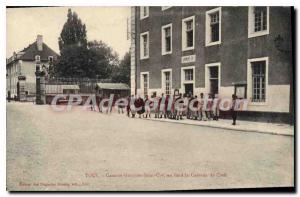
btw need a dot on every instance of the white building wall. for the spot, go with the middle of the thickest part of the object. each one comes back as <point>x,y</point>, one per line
<point>24,68</point>
<point>278,97</point>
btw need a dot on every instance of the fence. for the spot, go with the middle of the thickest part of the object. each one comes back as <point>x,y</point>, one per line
<point>72,85</point>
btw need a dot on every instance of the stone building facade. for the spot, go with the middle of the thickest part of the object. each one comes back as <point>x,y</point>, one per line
<point>219,50</point>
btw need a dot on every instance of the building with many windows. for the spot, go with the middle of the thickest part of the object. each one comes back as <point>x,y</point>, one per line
<point>216,50</point>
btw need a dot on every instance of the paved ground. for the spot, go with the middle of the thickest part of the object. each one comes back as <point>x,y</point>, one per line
<point>245,126</point>
<point>83,150</point>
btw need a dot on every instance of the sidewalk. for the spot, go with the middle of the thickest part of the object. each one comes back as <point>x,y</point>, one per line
<point>244,126</point>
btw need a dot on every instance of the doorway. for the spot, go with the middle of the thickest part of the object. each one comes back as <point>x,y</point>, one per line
<point>189,88</point>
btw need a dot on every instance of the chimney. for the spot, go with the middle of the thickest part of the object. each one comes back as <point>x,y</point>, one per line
<point>39,42</point>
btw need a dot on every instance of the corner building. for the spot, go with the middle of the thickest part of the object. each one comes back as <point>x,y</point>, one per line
<point>219,50</point>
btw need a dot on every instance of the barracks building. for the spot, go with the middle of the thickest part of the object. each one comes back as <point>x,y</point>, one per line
<point>247,51</point>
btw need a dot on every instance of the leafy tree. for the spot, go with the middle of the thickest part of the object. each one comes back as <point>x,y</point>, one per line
<point>102,60</point>
<point>73,62</point>
<point>80,58</point>
<point>73,32</point>
<point>121,73</point>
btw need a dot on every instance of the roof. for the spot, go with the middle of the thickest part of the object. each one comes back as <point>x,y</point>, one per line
<point>60,88</point>
<point>113,86</point>
<point>31,51</point>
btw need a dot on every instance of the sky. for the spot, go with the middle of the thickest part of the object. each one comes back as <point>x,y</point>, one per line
<point>108,24</point>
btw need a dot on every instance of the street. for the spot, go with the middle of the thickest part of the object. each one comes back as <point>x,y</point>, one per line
<point>85,150</point>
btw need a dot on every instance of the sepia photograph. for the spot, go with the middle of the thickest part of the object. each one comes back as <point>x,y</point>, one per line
<point>150,98</point>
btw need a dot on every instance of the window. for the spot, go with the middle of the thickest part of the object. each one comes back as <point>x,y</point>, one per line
<point>212,77</point>
<point>188,75</point>
<point>144,12</point>
<point>144,45</point>
<point>165,7</point>
<point>145,83</point>
<point>258,21</point>
<point>188,80</point>
<point>188,34</point>
<point>37,58</point>
<point>167,81</point>
<point>166,39</point>
<point>213,27</point>
<point>257,80</point>
<point>50,58</point>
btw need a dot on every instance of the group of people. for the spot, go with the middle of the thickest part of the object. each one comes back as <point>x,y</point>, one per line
<point>175,107</point>
<point>206,107</point>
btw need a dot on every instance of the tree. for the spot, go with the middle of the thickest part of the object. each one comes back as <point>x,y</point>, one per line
<point>73,32</point>
<point>80,58</point>
<point>73,61</point>
<point>121,73</point>
<point>102,59</point>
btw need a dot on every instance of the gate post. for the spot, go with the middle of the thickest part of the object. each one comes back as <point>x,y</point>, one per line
<point>22,94</point>
<point>40,87</point>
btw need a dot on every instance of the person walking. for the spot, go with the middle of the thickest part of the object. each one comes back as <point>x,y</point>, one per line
<point>195,112</point>
<point>128,106</point>
<point>216,109</point>
<point>132,106</point>
<point>147,107</point>
<point>167,111</point>
<point>233,110</point>
<point>140,106</point>
<point>157,101</point>
<point>173,110</point>
<point>100,104</point>
<point>179,106</point>
<point>200,106</point>
<point>162,102</point>
<point>208,110</point>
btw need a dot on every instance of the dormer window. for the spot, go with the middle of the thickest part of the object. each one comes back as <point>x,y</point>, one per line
<point>37,58</point>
